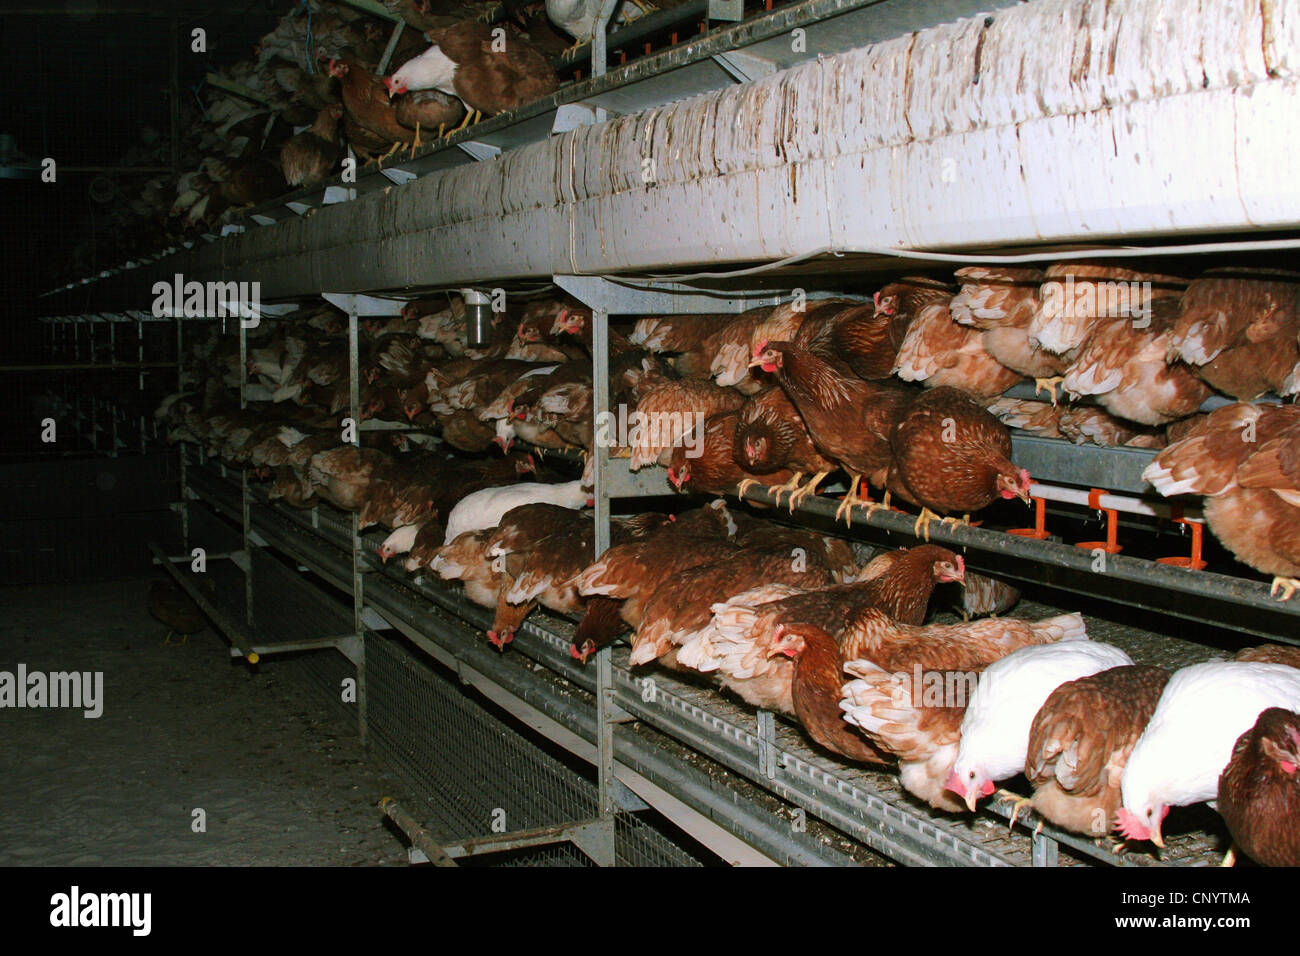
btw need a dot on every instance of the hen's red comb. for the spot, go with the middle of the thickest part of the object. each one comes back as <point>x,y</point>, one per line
<point>760,348</point>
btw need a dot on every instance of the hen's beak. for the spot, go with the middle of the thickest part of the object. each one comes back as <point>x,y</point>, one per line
<point>1156,837</point>
<point>755,364</point>
<point>972,798</point>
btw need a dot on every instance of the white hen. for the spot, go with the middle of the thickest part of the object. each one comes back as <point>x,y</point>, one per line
<point>578,17</point>
<point>995,730</point>
<point>431,70</point>
<point>1188,741</point>
<point>484,509</point>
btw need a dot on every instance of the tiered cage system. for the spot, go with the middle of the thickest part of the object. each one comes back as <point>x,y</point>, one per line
<point>819,148</point>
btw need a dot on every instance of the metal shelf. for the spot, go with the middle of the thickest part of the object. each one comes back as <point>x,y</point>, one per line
<point>878,102</point>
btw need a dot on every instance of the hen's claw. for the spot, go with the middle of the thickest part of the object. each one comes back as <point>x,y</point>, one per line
<point>849,501</point>
<point>922,527</point>
<point>790,486</point>
<point>1049,384</point>
<point>1018,805</point>
<point>1288,587</point>
<point>799,494</point>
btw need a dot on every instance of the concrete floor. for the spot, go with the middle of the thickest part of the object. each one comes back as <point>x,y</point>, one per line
<point>282,781</point>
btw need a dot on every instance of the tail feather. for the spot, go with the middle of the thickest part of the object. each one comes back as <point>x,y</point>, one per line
<point>1063,627</point>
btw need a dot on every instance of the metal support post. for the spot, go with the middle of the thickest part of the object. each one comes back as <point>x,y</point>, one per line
<point>358,581</point>
<point>245,494</point>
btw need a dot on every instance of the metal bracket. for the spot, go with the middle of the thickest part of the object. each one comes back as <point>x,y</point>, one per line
<point>571,116</point>
<point>480,151</point>
<point>398,176</point>
<point>744,67</point>
<point>353,647</point>
<point>364,305</point>
<point>337,194</point>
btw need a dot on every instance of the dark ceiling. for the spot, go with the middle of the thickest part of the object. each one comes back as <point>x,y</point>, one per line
<point>81,81</point>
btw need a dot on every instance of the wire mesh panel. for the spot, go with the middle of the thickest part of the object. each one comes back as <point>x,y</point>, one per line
<point>471,769</point>
<point>289,606</point>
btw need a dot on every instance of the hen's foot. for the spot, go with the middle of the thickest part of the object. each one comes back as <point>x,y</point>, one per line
<point>744,486</point>
<point>1049,384</point>
<point>1287,586</point>
<point>922,527</point>
<point>791,486</point>
<point>379,160</point>
<point>471,117</point>
<point>957,522</point>
<point>1019,805</point>
<point>849,501</point>
<point>799,494</point>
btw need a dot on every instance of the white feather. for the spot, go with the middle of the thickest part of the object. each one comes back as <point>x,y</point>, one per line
<point>1010,692</point>
<point>485,508</point>
<point>1189,739</point>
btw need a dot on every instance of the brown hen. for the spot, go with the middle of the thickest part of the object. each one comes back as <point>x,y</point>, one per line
<point>1246,460</point>
<point>1080,741</point>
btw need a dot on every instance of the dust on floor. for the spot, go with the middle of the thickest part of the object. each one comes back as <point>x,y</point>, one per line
<point>281,780</point>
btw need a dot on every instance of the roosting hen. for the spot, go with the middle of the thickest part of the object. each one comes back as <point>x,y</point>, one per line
<point>1259,791</point>
<point>680,607</point>
<point>712,466</point>
<point>367,109</point>
<point>313,155</point>
<point>951,455</point>
<point>173,607</point>
<point>465,60</point>
<point>815,684</point>
<point>771,437</point>
<point>863,337</point>
<point>673,415</point>
<point>939,352</point>
<point>1237,329</point>
<point>1123,366</point>
<point>995,731</point>
<point>1246,460</point>
<point>743,627</point>
<point>849,419</point>
<point>631,572</point>
<point>1000,301</point>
